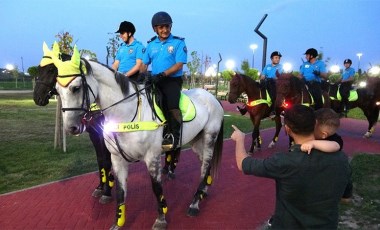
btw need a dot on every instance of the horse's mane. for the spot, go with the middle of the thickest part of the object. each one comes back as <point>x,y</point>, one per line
<point>120,78</point>
<point>296,84</point>
<point>249,79</point>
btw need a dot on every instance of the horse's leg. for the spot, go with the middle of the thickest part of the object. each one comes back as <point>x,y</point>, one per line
<point>171,160</point>
<point>103,157</point>
<point>154,168</point>
<point>256,139</point>
<point>277,120</point>
<point>204,147</point>
<point>120,167</point>
<point>372,116</point>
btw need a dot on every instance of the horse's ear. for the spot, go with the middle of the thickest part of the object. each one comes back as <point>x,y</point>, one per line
<point>46,59</point>
<point>56,50</point>
<point>75,59</point>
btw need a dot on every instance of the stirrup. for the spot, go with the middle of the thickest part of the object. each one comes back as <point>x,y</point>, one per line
<point>168,143</point>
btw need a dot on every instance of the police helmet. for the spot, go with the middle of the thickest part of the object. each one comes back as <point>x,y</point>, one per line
<point>126,27</point>
<point>275,53</point>
<point>347,61</point>
<point>161,18</point>
<point>313,52</point>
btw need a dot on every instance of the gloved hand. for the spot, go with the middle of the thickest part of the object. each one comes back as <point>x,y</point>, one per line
<point>316,72</point>
<point>156,78</point>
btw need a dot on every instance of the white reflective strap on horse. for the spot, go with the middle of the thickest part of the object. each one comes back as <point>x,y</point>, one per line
<point>131,126</point>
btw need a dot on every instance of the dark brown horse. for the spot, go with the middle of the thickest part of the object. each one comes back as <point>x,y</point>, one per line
<point>257,106</point>
<point>366,98</point>
<point>43,91</point>
<point>290,90</point>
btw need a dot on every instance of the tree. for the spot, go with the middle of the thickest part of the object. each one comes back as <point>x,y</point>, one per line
<point>112,47</point>
<point>251,72</point>
<point>33,72</point>
<point>15,74</point>
<point>193,67</point>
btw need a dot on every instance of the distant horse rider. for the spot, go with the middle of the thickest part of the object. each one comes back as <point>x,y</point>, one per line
<point>268,80</point>
<point>313,71</point>
<point>346,81</point>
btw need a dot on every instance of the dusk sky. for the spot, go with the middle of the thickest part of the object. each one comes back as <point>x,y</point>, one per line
<point>340,28</point>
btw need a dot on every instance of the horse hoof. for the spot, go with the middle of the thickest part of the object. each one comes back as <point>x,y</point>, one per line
<point>114,227</point>
<point>271,145</point>
<point>171,175</point>
<point>165,171</point>
<point>367,135</point>
<point>97,193</point>
<point>192,212</point>
<point>160,224</point>
<point>105,199</point>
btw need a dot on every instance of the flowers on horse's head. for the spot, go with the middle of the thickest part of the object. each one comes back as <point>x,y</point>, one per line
<point>69,70</point>
<point>48,54</point>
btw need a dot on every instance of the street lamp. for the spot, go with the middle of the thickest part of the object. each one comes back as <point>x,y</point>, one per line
<point>230,64</point>
<point>287,67</point>
<point>334,69</point>
<point>9,67</point>
<point>359,56</point>
<point>253,47</point>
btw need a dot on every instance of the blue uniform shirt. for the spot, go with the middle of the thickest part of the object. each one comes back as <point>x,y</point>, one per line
<point>127,55</point>
<point>347,73</point>
<point>307,70</point>
<point>269,71</point>
<point>164,54</point>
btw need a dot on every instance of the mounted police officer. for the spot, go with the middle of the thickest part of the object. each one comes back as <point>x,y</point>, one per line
<point>128,58</point>
<point>312,72</point>
<point>346,81</point>
<point>167,54</point>
<point>268,80</point>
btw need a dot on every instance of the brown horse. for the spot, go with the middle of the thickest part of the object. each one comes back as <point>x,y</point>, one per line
<point>367,99</point>
<point>290,90</point>
<point>257,106</point>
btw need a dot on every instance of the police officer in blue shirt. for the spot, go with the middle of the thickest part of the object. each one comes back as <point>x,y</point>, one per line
<point>346,81</point>
<point>268,76</point>
<point>268,80</point>
<point>128,58</point>
<point>312,72</point>
<point>167,54</point>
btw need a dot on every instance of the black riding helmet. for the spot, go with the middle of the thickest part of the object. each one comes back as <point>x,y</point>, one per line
<point>313,52</point>
<point>347,61</point>
<point>126,27</point>
<point>161,18</point>
<point>275,53</point>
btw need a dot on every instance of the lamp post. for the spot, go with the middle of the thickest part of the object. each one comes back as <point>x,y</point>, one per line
<point>359,56</point>
<point>253,47</point>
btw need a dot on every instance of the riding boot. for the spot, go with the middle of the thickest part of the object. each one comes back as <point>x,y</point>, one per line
<point>243,110</point>
<point>172,140</point>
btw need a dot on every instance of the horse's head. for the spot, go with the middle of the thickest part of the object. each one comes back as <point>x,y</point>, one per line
<point>76,90</point>
<point>236,88</point>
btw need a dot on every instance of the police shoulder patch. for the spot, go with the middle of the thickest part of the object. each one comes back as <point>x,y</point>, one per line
<point>152,39</point>
<point>180,38</point>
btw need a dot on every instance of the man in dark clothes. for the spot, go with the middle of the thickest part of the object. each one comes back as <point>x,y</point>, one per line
<point>308,186</point>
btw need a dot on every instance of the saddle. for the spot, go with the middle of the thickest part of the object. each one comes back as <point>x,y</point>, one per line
<point>185,105</point>
<point>335,94</point>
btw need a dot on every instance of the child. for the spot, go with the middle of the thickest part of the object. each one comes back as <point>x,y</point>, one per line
<point>327,140</point>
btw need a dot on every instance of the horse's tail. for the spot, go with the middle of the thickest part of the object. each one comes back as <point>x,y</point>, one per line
<point>217,154</point>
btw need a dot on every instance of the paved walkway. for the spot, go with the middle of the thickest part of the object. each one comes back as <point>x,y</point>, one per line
<point>235,201</point>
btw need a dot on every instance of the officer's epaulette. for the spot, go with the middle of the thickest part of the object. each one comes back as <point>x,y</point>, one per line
<point>152,39</point>
<point>176,37</point>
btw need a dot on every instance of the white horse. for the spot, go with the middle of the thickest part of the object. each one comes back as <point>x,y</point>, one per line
<point>126,104</point>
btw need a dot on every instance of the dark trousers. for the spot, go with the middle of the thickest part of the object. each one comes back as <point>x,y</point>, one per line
<point>315,91</point>
<point>270,85</point>
<point>170,88</point>
<point>344,91</point>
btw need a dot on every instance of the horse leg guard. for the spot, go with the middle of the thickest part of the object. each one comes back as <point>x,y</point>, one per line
<point>107,195</point>
<point>98,192</point>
